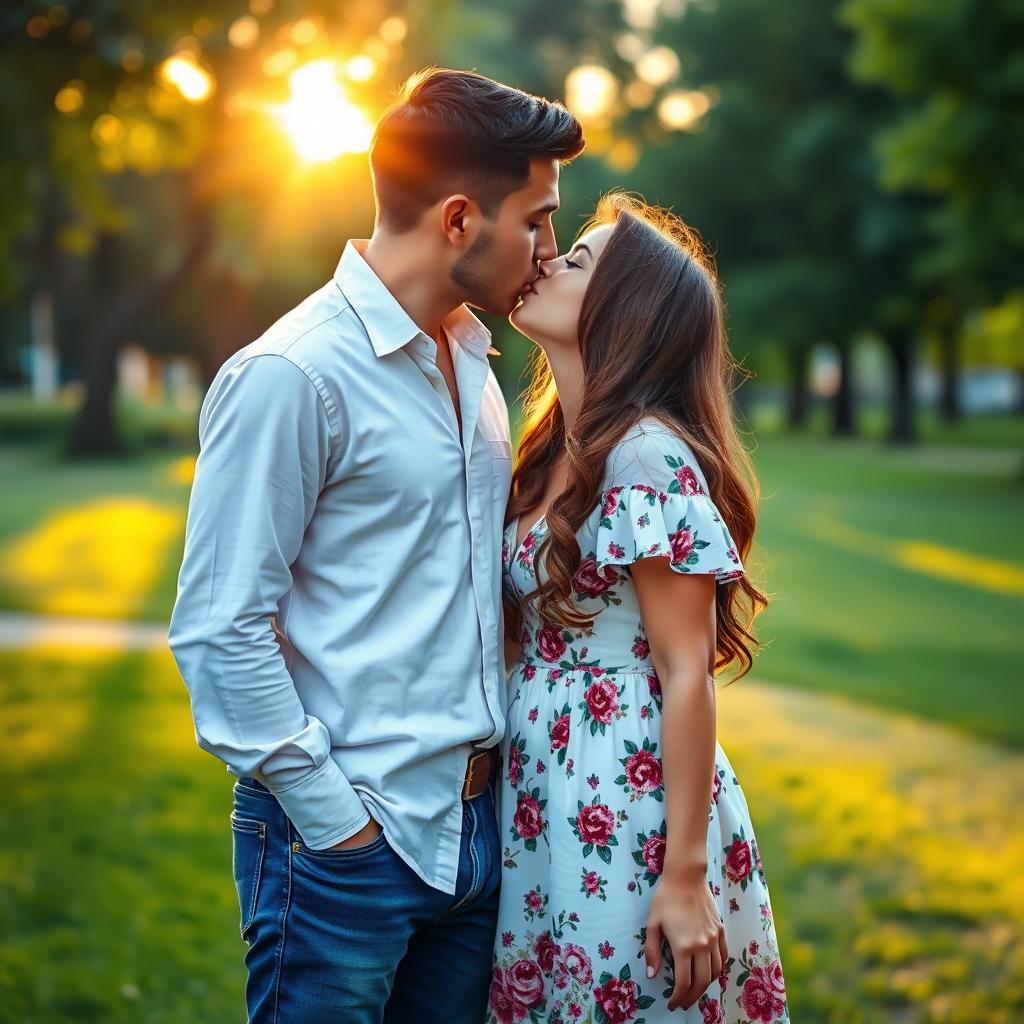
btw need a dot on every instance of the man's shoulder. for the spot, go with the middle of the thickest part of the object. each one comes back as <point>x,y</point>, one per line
<point>319,337</point>
<point>309,334</point>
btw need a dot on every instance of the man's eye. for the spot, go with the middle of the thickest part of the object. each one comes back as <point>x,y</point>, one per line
<point>535,227</point>
<point>571,263</point>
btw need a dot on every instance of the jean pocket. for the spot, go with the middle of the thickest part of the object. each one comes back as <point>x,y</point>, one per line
<point>248,845</point>
<point>348,854</point>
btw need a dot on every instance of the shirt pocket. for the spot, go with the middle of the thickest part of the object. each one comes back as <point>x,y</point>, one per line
<point>500,448</point>
<point>501,468</point>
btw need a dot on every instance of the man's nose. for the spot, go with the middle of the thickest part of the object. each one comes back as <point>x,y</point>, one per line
<point>546,247</point>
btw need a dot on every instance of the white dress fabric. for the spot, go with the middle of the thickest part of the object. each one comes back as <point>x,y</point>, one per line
<point>582,801</point>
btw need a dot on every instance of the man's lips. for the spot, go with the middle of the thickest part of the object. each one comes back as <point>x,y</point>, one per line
<point>528,290</point>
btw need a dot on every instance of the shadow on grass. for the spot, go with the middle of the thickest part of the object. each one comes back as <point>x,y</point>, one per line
<point>119,904</point>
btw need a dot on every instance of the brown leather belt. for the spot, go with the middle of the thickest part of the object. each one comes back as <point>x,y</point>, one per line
<point>481,768</point>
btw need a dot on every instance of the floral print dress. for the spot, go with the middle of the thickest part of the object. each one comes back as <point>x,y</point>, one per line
<point>582,800</point>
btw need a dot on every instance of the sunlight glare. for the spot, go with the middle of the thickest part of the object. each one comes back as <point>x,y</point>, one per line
<point>590,91</point>
<point>194,82</point>
<point>320,119</point>
<point>679,110</point>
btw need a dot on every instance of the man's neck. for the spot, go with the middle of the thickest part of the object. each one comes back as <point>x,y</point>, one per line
<point>401,269</point>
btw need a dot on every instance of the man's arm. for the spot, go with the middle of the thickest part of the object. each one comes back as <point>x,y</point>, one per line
<point>265,443</point>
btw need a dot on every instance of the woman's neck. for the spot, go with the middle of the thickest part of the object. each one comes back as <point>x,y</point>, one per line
<point>567,371</point>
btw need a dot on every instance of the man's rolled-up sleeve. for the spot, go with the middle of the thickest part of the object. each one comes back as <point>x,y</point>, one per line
<point>265,444</point>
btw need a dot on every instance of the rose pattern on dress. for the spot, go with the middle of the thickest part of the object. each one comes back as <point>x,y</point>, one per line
<point>558,733</point>
<point>591,582</point>
<point>572,963</point>
<point>528,821</point>
<point>517,991</point>
<point>617,999</point>
<point>762,986</point>
<point>694,539</point>
<point>516,758</point>
<point>650,855</point>
<point>642,772</point>
<point>684,480</point>
<point>710,1010</point>
<point>594,826</point>
<point>600,705</point>
<point>592,884</point>
<point>739,861</point>
<point>552,641</point>
<point>641,648</point>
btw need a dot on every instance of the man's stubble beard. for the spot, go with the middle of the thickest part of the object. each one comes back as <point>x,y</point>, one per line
<point>472,273</point>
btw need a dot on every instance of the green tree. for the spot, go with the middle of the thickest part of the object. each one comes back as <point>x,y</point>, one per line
<point>955,134</point>
<point>780,176</point>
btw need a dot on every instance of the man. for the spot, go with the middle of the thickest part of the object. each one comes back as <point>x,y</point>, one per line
<point>338,621</point>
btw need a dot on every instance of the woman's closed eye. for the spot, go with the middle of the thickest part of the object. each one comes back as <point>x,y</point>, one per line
<point>572,263</point>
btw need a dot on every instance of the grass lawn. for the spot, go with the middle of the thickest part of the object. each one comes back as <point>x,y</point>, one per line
<point>896,577</point>
<point>891,853</point>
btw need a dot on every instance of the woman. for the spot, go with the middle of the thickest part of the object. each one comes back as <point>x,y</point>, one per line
<point>632,885</point>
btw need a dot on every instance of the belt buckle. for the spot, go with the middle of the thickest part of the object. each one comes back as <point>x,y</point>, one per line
<point>473,767</point>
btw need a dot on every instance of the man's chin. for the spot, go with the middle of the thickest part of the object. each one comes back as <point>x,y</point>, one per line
<point>499,307</point>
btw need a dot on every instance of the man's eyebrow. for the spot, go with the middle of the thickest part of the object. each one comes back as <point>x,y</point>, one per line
<point>550,208</point>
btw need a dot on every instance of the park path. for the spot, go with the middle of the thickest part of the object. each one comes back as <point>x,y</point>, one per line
<point>20,632</point>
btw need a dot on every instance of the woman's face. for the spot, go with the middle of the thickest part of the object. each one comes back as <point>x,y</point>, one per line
<point>549,313</point>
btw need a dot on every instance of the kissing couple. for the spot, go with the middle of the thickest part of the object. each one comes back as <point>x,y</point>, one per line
<point>469,700</point>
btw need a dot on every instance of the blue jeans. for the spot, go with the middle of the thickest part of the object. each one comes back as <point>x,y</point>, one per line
<point>355,936</point>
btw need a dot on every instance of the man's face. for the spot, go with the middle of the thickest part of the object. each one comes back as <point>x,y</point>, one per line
<point>503,260</point>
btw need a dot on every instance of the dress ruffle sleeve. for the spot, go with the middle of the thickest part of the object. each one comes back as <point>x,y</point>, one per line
<point>658,506</point>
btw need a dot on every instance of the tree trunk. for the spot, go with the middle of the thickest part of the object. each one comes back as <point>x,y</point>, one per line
<point>94,430</point>
<point>949,343</point>
<point>843,401</point>
<point>229,324</point>
<point>43,362</point>
<point>901,349</point>
<point>798,403</point>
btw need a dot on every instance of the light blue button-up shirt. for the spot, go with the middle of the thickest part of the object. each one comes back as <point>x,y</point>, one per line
<point>333,492</point>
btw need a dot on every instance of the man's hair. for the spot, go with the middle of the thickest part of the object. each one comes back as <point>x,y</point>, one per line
<point>457,131</point>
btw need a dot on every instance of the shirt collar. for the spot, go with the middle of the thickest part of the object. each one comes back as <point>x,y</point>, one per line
<point>388,325</point>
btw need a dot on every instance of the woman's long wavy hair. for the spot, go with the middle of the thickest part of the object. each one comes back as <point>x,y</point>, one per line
<point>653,343</point>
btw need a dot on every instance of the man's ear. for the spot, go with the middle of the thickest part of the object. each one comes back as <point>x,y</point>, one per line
<point>459,220</point>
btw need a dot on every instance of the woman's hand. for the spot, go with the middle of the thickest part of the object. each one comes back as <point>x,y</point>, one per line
<point>684,913</point>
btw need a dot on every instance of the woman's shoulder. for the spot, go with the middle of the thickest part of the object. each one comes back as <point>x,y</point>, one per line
<point>652,453</point>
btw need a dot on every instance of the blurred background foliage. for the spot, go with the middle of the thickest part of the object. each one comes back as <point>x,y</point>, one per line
<point>177,174</point>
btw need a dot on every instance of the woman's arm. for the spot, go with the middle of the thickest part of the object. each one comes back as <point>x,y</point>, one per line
<point>678,613</point>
